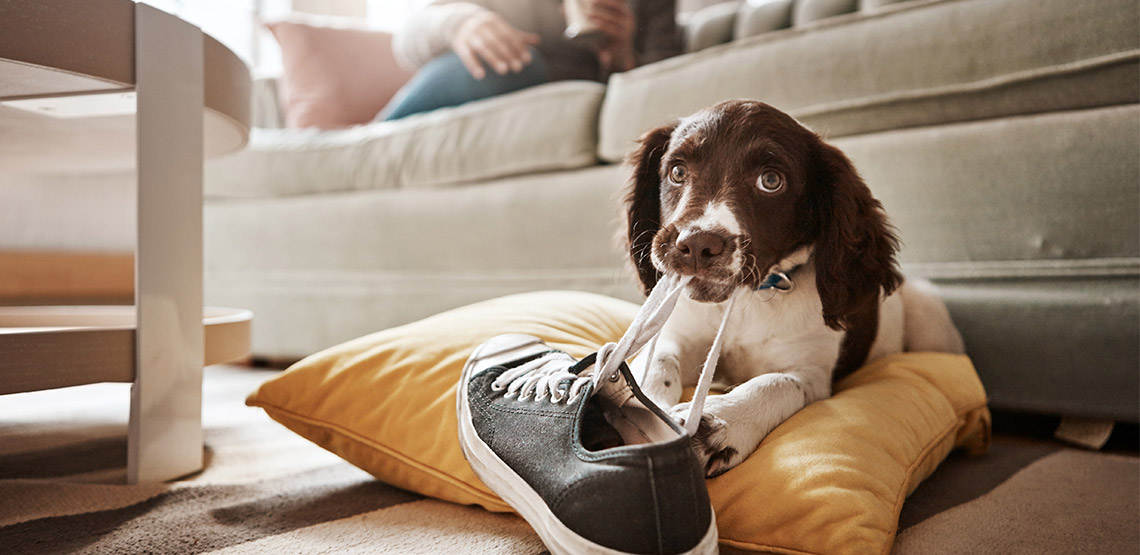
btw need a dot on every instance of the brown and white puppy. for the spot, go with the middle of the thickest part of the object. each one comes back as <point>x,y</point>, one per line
<point>743,198</point>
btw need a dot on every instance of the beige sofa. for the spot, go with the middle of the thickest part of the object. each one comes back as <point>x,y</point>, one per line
<point>1001,135</point>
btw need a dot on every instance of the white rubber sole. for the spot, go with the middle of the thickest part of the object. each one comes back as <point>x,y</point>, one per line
<point>559,539</point>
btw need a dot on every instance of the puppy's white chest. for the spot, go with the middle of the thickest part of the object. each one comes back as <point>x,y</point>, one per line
<point>765,335</point>
<point>755,343</point>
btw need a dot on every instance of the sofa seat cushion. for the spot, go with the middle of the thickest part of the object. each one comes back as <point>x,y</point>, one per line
<point>831,479</point>
<point>550,127</point>
<point>905,65</point>
<point>319,270</point>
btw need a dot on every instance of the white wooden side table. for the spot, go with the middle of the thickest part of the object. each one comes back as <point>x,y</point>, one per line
<point>97,85</point>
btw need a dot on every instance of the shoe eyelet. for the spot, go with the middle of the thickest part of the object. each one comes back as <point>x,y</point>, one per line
<point>614,377</point>
<point>497,387</point>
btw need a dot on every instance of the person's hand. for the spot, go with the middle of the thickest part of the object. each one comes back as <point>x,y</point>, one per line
<point>488,37</point>
<point>614,19</point>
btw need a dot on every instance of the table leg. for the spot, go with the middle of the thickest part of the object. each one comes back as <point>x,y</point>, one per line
<point>165,433</point>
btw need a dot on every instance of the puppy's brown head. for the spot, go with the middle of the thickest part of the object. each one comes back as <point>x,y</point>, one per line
<point>726,194</point>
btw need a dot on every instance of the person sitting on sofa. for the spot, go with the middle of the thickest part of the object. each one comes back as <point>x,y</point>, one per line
<point>475,49</point>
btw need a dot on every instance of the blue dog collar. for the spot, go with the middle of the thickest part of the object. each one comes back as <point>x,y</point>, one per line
<point>780,281</point>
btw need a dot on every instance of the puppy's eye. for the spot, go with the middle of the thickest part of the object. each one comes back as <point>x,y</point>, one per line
<point>678,174</point>
<point>770,181</point>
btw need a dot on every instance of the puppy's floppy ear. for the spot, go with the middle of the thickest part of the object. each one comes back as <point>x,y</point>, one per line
<point>643,202</point>
<point>855,251</point>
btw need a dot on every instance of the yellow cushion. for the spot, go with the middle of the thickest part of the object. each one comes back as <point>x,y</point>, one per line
<point>831,479</point>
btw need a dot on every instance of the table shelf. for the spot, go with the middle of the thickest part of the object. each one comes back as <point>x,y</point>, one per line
<point>62,346</point>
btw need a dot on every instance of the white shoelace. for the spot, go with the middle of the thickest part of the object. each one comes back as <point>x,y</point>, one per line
<point>543,377</point>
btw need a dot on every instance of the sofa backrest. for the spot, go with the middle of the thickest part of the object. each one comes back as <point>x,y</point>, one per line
<point>907,64</point>
<point>721,22</point>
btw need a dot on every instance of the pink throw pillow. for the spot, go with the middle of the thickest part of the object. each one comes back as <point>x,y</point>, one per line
<point>335,76</point>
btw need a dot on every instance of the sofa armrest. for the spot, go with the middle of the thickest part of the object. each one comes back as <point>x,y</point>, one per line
<point>267,110</point>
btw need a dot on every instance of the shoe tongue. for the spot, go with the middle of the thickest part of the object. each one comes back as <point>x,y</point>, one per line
<point>617,392</point>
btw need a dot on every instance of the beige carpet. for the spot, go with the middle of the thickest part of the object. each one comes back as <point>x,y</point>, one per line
<point>266,490</point>
<point>1067,502</point>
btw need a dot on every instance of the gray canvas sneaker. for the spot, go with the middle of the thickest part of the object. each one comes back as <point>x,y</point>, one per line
<point>591,463</point>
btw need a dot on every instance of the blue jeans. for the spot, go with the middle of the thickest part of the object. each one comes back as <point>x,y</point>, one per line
<point>445,81</point>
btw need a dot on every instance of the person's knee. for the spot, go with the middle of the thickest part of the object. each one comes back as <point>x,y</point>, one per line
<point>445,81</point>
<point>534,73</point>
<point>494,84</point>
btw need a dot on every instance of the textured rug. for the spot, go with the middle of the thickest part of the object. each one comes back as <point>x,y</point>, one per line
<point>266,490</point>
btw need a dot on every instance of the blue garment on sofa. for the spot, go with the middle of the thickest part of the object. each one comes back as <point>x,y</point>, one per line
<point>445,81</point>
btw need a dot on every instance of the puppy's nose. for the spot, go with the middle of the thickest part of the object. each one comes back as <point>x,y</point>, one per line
<point>698,249</point>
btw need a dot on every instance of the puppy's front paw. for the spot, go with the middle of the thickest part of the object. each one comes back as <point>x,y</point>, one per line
<point>661,381</point>
<point>710,442</point>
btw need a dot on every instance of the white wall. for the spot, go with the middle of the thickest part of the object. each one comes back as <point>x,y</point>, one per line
<point>238,23</point>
